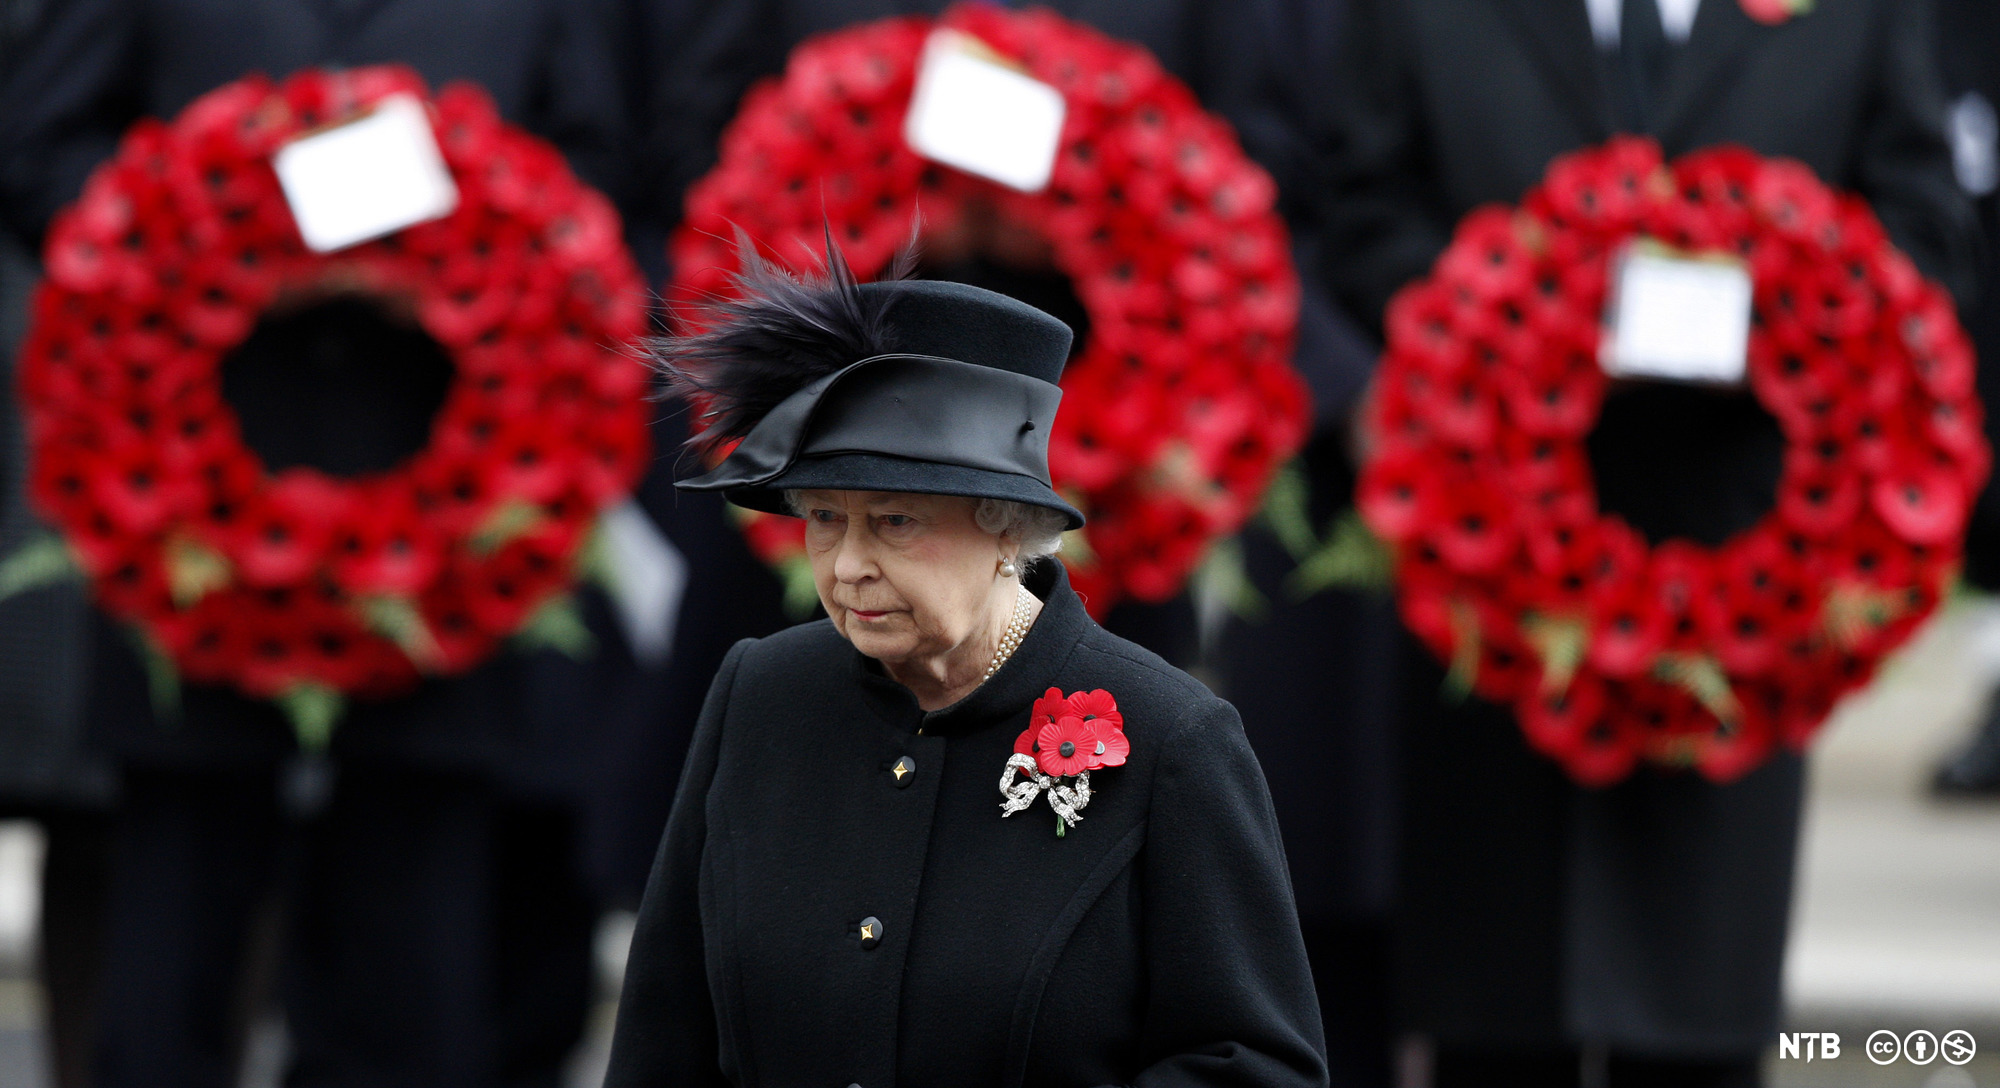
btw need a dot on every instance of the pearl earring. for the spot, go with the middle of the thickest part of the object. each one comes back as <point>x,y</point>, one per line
<point>1008,569</point>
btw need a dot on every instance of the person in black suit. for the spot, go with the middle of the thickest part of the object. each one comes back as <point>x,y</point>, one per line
<point>1972,74</point>
<point>439,926</point>
<point>1642,925</point>
<point>1328,772</point>
<point>840,896</point>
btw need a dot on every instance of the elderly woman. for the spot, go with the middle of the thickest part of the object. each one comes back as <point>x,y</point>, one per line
<point>842,896</point>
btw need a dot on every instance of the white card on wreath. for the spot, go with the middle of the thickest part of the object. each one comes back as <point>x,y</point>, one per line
<point>974,111</point>
<point>366,178</point>
<point>1677,318</point>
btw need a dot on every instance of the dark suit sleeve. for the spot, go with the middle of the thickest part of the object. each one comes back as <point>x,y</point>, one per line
<point>75,87</point>
<point>1370,203</point>
<point>1231,999</point>
<point>666,1031</point>
<point>1904,160</point>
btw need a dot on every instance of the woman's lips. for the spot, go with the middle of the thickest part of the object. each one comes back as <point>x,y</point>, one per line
<point>865,616</point>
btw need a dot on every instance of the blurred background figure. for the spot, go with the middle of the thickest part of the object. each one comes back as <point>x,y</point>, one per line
<point>1310,678</point>
<point>1632,934</point>
<point>48,773</point>
<point>1968,31</point>
<point>430,878</point>
<point>1312,662</point>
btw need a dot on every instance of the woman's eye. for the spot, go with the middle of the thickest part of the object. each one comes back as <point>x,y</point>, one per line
<point>824,517</point>
<point>896,521</point>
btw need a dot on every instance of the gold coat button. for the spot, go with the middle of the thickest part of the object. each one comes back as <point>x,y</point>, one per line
<point>904,771</point>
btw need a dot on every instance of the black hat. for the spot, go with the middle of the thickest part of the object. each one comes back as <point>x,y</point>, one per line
<point>903,385</point>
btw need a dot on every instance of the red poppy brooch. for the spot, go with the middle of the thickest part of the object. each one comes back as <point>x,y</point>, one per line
<point>1773,12</point>
<point>1068,736</point>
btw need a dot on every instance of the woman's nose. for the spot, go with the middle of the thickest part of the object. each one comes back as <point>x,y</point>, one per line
<point>855,560</point>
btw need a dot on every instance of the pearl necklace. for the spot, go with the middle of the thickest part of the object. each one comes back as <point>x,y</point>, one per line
<point>1017,629</point>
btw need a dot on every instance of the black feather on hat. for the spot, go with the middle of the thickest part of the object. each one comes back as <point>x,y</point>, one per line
<point>781,332</point>
<point>905,385</point>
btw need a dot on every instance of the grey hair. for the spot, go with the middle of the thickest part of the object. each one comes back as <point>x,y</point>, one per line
<point>1038,529</point>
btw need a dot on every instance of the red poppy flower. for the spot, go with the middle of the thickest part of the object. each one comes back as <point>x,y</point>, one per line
<point>1729,752</point>
<point>1508,666</point>
<point>1420,323</point>
<point>384,547</point>
<point>1923,504</point>
<point>1610,746</point>
<point>1560,402</point>
<point>1556,723</point>
<point>1112,746</point>
<point>1786,195</point>
<point>1957,429</point>
<point>1487,255</point>
<point>1476,527</point>
<point>1743,629</point>
<point>283,534</point>
<point>1946,369</point>
<point>1603,189</point>
<point>134,489</point>
<point>1819,498</point>
<point>1772,12</point>
<point>1631,631</point>
<point>1394,495</point>
<point>1095,705</point>
<point>1065,746</point>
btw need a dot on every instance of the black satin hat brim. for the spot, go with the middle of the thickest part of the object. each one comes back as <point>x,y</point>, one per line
<point>879,472</point>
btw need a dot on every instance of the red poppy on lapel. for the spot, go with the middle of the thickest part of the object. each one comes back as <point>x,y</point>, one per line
<point>1773,12</point>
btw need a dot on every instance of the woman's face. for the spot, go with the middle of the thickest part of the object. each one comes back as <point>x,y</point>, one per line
<point>906,578</point>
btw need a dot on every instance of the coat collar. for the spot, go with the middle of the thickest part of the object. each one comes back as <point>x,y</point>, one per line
<point>1008,696</point>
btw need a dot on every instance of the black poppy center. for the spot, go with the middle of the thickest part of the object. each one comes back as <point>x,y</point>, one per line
<point>1067,749</point>
<point>1685,461</point>
<point>342,385</point>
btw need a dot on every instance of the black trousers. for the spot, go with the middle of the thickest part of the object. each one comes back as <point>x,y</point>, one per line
<point>407,958</point>
<point>69,950</point>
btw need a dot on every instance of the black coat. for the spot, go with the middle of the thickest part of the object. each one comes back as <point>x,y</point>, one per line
<point>1650,916</point>
<point>1155,944</point>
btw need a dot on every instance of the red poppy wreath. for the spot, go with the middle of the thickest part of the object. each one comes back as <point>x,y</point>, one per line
<point>1182,402</point>
<point>298,581</point>
<point>1609,650</point>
